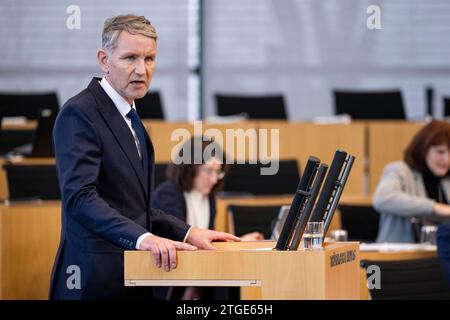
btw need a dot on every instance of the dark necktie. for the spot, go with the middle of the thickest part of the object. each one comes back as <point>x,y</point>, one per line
<point>140,133</point>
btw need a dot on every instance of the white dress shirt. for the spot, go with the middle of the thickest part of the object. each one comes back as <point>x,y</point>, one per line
<point>123,107</point>
<point>197,205</point>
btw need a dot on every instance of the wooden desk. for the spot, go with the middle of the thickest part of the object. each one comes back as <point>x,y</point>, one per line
<point>169,136</point>
<point>27,125</point>
<point>161,135</point>
<point>377,255</point>
<point>373,143</point>
<point>387,140</point>
<point>226,136</point>
<point>29,238</point>
<point>301,140</point>
<point>270,274</point>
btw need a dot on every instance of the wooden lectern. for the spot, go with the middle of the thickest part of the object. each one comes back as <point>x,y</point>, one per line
<point>330,273</point>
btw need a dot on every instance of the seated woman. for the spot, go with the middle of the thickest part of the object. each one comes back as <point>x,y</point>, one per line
<point>189,194</point>
<point>416,188</point>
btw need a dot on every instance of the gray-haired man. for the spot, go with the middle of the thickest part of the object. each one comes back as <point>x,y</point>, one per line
<point>105,164</point>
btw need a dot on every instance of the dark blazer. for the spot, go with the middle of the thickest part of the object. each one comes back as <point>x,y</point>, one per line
<point>105,198</point>
<point>443,247</point>
<point>169,198</point>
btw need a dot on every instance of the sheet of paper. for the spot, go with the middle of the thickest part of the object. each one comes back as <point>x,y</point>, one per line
<point>396,247</point>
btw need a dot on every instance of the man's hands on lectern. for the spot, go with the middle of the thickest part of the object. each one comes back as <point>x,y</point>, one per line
<point>165,250</point>
<point>202,238</point>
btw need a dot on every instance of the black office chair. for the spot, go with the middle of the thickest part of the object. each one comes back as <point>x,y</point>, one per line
<point>361,222</point>
<point>27,105</point>
<point>12,139</point>
<point>446,101</point>
<point>370,104</point>
<point>256,107</point>
<point>247,179</point>
<point>1,122</point>
<point>246,219</point>
<point>29,182</point>
<point>160,174</point>
<point>407,279</point>
<point>42,144</point>
<point>43,137</point>
<point>150,106</point>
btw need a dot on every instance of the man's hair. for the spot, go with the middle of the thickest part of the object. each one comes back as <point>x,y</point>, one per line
<point>130,23</point>
<point>434,133</point>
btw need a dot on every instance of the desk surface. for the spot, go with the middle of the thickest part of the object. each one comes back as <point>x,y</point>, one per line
<point>15,126</point>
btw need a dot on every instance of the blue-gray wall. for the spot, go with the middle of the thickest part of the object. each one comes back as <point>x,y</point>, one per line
<point>301,48</point>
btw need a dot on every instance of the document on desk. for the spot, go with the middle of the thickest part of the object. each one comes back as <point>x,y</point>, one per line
<point>396,247</point>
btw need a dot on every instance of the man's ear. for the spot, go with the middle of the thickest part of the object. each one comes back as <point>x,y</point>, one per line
<point>102,57</point>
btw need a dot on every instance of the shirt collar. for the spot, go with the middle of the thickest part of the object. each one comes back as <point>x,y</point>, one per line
<point>120,103</point>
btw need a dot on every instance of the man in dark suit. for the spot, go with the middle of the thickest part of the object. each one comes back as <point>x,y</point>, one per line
<point>443,248</point>
<point>105,165</point>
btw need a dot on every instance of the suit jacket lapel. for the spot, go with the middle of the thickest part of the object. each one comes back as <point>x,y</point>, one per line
<point>119,129</point>
<point>151,161</point>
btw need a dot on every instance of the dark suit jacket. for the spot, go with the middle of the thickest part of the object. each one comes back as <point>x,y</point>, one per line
<point>443,247</point>
<point>105,200</point>
<point>169,198</point>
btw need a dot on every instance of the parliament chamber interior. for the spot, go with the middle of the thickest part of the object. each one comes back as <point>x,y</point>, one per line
<point>327,113</point>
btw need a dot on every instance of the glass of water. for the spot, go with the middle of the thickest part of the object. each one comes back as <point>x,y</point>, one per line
<point>313,236</point>
<point>339,235</point>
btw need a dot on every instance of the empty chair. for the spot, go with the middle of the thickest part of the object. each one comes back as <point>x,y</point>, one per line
<point>446,101</point>
<point>42,144</point>
<point>1,119</point>
<point>43,139</point>
<point>27,182</point>
<point>370,104</point>
<point>247,219</point>
<point>361,222</point>
<point>256,107</point>
<point>27,105</point>
<point>247,179</point>
<point>150,106</point>
<point>407,279</point>
<point>24,105</point>
<point>12,139</point>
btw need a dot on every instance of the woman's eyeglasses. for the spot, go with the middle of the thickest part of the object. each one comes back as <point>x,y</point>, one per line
<point>210,171</point>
